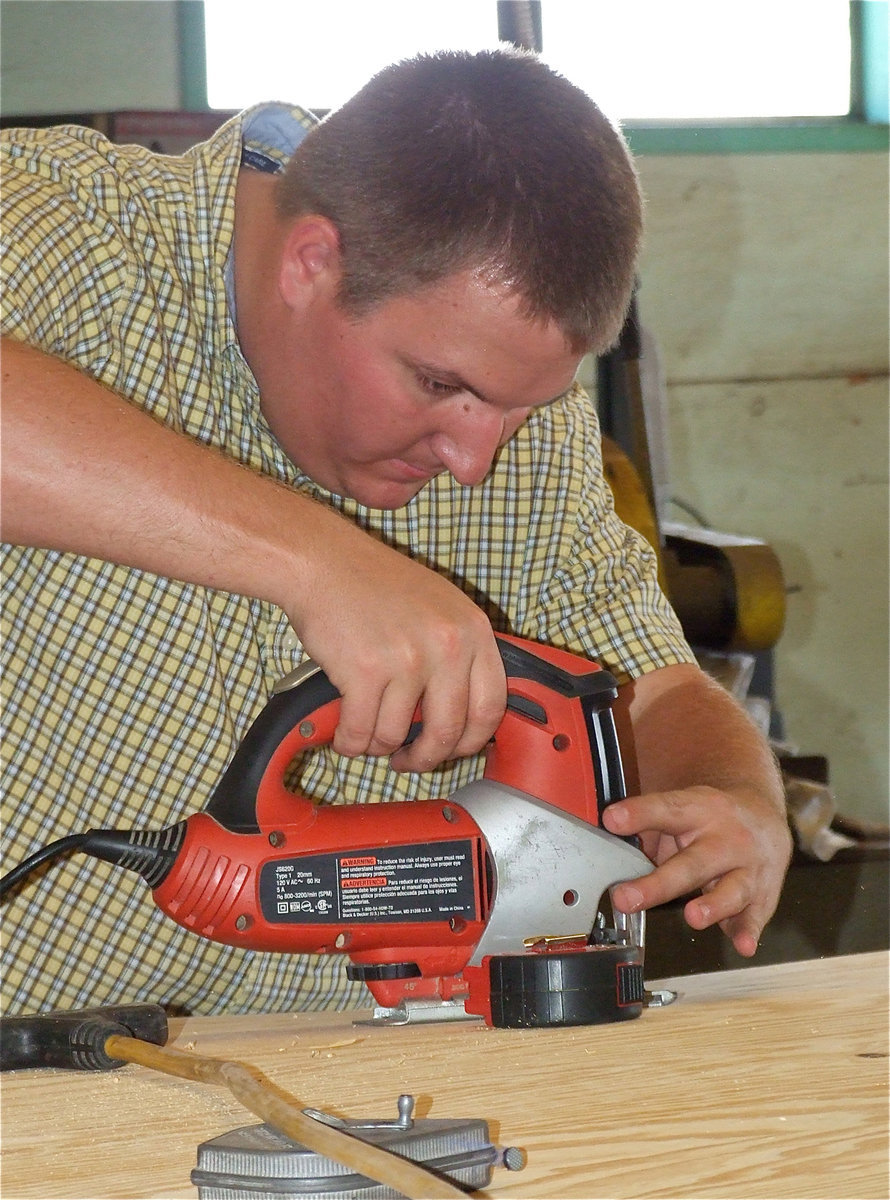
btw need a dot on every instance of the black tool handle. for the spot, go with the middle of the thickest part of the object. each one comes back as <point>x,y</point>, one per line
<point>234,801</point>
<point>76,1040</point>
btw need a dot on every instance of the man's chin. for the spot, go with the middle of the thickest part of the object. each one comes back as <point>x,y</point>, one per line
<point>372,491</point>
<point>388,495</point>
<point>392,485</point>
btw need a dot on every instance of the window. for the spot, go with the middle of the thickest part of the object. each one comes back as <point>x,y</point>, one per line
<point>643,60</point>
<point>319,54</point>
<point>700,60</point>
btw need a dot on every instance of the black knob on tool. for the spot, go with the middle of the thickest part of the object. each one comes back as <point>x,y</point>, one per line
<point>574,987</point>
<point>380,971</point>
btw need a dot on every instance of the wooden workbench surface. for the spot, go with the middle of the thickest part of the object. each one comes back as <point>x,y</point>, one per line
<point>764,1082</point>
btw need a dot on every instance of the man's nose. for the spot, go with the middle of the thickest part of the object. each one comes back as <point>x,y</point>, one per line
<point>467,447</point>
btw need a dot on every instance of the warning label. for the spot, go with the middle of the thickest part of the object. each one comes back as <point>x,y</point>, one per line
<point>392,883</point>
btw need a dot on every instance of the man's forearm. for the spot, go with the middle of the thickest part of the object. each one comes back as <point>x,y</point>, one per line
<point>687,731</point>
<point>86,472</point>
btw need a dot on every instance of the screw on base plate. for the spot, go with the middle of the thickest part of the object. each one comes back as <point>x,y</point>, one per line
<point>513,1158</point>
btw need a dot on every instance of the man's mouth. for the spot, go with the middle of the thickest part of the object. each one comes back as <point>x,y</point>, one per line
<point>412,473</point>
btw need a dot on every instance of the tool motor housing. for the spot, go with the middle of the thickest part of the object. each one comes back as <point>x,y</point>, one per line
<point>409,891</point>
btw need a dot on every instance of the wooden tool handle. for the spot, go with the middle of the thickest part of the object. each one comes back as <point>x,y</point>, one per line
<point>258,1093</point>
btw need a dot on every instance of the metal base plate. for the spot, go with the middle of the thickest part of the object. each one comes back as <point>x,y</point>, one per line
<point>257,1162</point>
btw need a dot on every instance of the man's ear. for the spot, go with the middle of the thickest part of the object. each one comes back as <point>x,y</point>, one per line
<point>310,260</point>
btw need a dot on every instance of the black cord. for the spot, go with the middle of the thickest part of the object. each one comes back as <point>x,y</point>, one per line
<point>150,853</point>
<point>65,845</point>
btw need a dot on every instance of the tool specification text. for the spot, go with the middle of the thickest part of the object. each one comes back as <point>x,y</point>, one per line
<point>393,883</point>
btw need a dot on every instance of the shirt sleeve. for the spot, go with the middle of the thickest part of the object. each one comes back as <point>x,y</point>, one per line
<point>63,262</point>
<point>601,596</point>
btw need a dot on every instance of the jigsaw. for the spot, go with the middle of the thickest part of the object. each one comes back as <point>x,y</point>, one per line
<point>487,903</point>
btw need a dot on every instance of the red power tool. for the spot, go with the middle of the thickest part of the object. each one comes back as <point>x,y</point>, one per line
<point>486,903</point>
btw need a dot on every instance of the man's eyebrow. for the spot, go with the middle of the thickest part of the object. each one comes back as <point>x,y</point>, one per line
<point>443,375</point>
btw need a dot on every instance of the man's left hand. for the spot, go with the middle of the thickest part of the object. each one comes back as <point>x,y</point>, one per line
<point>710,811</point>
<point>732,848</point>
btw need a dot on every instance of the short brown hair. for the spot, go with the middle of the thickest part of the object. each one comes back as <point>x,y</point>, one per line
<point>491,161</point>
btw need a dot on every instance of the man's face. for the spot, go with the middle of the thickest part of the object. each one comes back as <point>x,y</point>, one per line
<point>438,380</point>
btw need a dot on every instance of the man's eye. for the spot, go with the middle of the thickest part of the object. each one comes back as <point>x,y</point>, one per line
<point>436,387</point>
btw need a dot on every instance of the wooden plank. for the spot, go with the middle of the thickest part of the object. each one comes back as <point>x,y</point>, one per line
<point>765,1082</point>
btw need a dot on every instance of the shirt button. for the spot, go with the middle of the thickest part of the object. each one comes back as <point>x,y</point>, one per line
<point>290,641</point>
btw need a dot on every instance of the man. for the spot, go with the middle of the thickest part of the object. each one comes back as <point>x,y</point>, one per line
<point>309,391</point>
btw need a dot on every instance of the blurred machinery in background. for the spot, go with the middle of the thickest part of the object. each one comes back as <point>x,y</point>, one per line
<point>727,590</point>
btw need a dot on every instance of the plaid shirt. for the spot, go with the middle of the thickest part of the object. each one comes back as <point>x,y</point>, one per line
<point>126,694</point>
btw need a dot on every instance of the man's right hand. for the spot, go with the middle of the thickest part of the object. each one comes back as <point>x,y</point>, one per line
<point>392,635</point>
<point>86,472</point>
